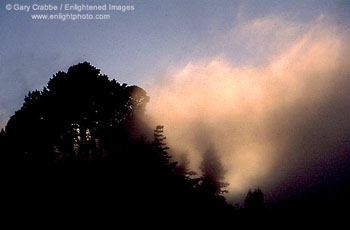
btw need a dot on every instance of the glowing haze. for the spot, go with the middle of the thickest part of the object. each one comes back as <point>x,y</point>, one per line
<point>264,120</point>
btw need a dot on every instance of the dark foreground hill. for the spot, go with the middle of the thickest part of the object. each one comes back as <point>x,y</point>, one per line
<point>78,148</point>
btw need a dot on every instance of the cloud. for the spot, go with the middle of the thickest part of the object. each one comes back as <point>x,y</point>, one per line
<point>264,121</point>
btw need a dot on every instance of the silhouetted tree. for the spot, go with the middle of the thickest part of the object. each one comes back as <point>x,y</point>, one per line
<point>160,146</point>
<point>2,137</point>
<point>81,141</point>
<point>3,146</point>
<point>183,167</point>
<point>212,173</point>
<point>210,187</point>
<point>254,201</point>
<point>75,113</point>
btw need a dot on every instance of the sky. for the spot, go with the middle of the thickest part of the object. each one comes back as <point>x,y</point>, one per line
<point>262,82</point>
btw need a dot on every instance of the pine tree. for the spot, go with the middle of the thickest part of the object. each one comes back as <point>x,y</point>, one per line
<point>212,173</point>
<point>254,201</point>
<point>161,148</point>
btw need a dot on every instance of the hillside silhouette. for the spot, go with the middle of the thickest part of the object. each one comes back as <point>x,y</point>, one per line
<point>79,146</point>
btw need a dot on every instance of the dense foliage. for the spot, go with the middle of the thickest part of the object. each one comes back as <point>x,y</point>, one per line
<point>80,146</point>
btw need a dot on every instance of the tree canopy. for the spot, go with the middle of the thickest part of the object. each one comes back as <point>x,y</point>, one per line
<point>76,110</point>
<point>81,136</point>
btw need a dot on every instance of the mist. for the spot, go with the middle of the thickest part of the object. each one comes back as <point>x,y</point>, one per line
<point>281,123</point>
